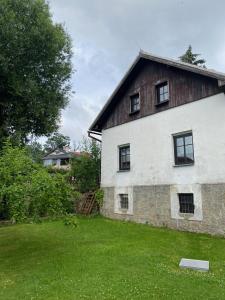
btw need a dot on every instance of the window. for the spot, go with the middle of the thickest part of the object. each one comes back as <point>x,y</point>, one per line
<point>124,201</point>
<point>134,103</point>
<point>162,92</point>
<point>186,202</point>
<point>64,161</point>
<point>183,149</point>
<point>124,157</point>
<point>54,162</point>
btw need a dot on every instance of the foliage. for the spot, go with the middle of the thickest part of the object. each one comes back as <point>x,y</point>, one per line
<point>99,197</point>
<point>35,150</point>
<point>191,58</point>
<point>56,141</point>
<point>71,220</point>
<point>35,69</point>
<point>86,168</point>
<point>28,190</point>
<point>50,261</point>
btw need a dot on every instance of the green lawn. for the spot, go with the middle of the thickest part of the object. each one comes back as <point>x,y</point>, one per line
<point>105,259</point>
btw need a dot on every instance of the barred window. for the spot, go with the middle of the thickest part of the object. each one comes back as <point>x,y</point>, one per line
<point>124,201</point>
<point>186,202</point>
<point>124,157</point>
<point>134,103</point>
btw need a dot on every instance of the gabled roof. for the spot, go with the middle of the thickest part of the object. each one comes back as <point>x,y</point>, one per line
<point>58,154</point>
<point>220,77</point>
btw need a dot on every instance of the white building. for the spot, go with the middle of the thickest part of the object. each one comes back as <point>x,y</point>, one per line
<point>163,146</point>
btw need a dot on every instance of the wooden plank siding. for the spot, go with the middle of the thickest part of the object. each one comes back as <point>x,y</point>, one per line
<point>184,87</point>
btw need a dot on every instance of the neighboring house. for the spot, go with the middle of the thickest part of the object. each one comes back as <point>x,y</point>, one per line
<point>163,146</point>
<point>59,158</point>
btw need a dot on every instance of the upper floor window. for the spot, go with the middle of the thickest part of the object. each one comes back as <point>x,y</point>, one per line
<point>186,202</point>
<point>135,103</point>
<point>162,92</point>
<point>124,157</point>
<point>183,149</point>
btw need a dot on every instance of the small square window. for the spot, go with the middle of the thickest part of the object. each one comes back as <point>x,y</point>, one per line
<point>124,203</point>
<point>124,157</point>
<point>134,103</point>
<point>183,149</point>
<point>186,202</point>
<point>162,92</point>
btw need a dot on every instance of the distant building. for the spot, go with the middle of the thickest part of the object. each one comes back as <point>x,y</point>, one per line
<point>59,158</point>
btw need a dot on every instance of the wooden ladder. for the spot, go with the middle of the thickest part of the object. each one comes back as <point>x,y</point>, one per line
<point>88,203</point>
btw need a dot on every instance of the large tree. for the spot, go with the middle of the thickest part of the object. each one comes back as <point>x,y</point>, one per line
<point>56,141</point>
<point>35,68</point>
<point>192,58</point>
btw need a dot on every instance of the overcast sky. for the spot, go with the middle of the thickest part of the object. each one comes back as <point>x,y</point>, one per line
<point>107,36</point>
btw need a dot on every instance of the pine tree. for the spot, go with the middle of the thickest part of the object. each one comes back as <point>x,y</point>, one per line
<point>191,58</point>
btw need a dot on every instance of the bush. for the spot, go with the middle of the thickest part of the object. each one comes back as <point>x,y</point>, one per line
<point>99,196</point>
<point>27,190</point>
<point>71,220</point>
<point>86,168</point>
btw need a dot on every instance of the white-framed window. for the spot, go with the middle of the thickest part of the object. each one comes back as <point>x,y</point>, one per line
<point>124,201</point>
<point>186,202</point>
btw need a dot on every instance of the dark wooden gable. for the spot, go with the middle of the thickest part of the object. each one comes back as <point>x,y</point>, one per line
<point>184,87</point>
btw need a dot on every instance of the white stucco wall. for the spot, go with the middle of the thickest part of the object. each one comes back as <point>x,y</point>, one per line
<point>151,146</point>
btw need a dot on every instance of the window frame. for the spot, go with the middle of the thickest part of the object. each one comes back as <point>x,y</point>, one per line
<point>124,201</point>
<point>121,168</point>
<point>184,206</point>
<point>158,85</point>
<point>183,135</point>
<point>132,96</point>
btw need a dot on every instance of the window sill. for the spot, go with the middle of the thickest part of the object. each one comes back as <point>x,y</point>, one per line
<point>161,103</point>
<point>186,216</point>
<point>122,171</point>
<point>183,165</point>
<point>134,112</point>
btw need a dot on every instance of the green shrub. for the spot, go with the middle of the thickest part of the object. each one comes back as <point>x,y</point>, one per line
<point>86,168</point>
<point>71,220</point>
<point>27,190</point>
<point>99,196</point>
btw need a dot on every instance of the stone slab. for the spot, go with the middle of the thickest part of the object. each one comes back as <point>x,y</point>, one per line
<point>200,265</point>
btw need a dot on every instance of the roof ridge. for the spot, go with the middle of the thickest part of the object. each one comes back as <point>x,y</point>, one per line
<point>143,53</point>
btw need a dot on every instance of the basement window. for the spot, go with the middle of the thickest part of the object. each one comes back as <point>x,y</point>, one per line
<point>162,92</point>
<point>124,201</point>
<point>134,103</point>
<point>186,202</point>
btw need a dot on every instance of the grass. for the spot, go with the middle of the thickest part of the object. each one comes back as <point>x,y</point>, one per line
<point>105,259</point>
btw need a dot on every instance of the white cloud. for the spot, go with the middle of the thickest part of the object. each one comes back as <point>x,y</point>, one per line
<point>107,36</point>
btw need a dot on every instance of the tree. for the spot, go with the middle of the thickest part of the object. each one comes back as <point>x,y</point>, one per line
<point>56,141</point>
<point>35,150</point>
<point>86,168</point>
<point>191,58</point>
<point>35,69</point>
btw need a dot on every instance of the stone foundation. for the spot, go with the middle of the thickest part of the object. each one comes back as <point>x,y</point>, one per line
<point>152,205</point>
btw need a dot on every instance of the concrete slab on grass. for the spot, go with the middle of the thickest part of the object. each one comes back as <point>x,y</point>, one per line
<point>200,265</point>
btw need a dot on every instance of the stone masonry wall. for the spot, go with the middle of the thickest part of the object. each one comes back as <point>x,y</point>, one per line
<point>152,205</point>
